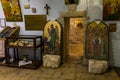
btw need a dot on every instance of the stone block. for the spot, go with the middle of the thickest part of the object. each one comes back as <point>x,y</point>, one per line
<point>97,66</point>
<point>52,61</point>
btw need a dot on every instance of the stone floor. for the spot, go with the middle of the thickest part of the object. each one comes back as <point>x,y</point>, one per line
<point>68,71</point>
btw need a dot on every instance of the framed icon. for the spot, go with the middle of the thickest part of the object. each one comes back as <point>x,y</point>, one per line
<point>111,10</point>
<point>12,10</point>
<point>112,27</point>
<point>97,41</point>
<point>52,37</point>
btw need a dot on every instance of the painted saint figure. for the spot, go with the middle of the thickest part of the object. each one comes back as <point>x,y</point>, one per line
<point>97,43</point>
<point>53,33</point>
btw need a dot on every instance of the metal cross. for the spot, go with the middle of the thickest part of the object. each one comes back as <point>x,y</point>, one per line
<point>47,8</point>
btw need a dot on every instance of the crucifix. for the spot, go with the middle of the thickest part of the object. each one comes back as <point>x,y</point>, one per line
<point>47,8</point>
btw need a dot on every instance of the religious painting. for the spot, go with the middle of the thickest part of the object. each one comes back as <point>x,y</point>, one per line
<point>52,37</point>
<point>112,27</point>
<point>111,10</point>
<point>33,10</point>
<point>96,40</point>
<point>71,2</point>
<point>12,10</point>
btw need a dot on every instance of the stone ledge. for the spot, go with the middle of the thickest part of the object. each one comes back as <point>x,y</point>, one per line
<point>73,14</point>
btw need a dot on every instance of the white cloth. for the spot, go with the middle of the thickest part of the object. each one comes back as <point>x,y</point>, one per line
<point>21,63</point>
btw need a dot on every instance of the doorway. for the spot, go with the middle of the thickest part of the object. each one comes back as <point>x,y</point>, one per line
<point>66,19</point>
<point>75,49</point>
<point>76,38</point>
